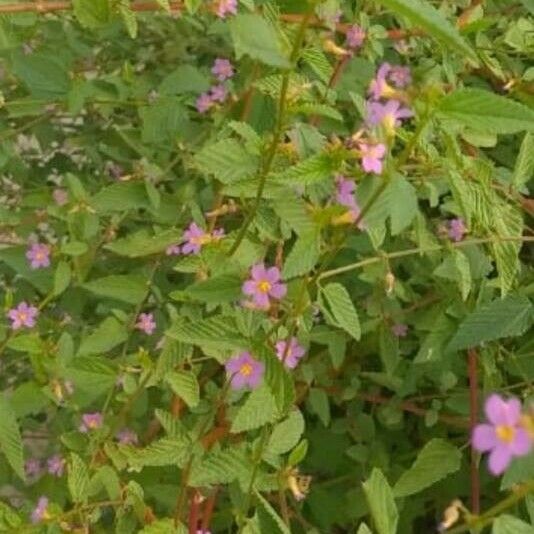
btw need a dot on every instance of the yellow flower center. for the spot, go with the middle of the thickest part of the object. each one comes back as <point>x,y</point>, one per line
<point>201,240</point>
<point>23,316</point>
<point>264,286</point>
<point>505,433</point>
<point>246,369</point>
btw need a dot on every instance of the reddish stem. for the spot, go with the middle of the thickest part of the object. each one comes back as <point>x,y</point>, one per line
<point>193,513</point>
<point>473,418</point>
<point>208,510</point>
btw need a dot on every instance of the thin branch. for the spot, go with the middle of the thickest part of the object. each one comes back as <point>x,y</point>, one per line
<point>472,365</point>
<point>50,7</point>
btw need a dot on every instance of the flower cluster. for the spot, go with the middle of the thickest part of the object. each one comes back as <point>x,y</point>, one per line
<point>194,239</point>
<point>508,434</point>
<point>223,70</point>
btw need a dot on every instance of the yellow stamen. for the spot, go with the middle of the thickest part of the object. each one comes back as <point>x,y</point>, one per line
<point>246,369</point>
<point>23,316</point>
<point>201,240</point>
<point>505,433</point>
<point>264,286</point>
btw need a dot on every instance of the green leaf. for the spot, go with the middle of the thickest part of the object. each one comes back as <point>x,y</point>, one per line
<point>184,79</point>
<point>122,196</point>
<point>293,211</point>
<point>10,438</point>
<point>303,256</point>
<point>286,434</point>
<point>221,467</point>
<point>74,248</point>
<point>62,277</point>
<point>364,529</point>
<point>506,317</point>
<point>423,15</point>
<point>215,290</point>
<point>381,503</point>
<point>163,526</point>
<point>319,403</point>
<point>437,459</point>
<point>463,272</point>
<point>129,288</point>
<point>508,524</point>
<point>10,521</point>
<point>256,37</point>
<point>78,479</point>
<point>269,520</point>
<point>163,120</point>
<point>486,112</point>
<point>142,243</point>
<point>524,164</point>
<point>106,477</point>
<point>91,13</point>
<point>164,4</point>
<point>258,410</point>
<point>166,451</point>
<point>128,17</point>
<point>227,160</point>
<point>107,335</point>
<point>185,385</point>
<point>341,309</point>
<point>317,168</point>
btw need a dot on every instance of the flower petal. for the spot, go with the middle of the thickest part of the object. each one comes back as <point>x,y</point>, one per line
<point>258,271</point>
<point>278,291</point>
<point>495,409</point>
<point>249,287</point>
<point>521,444</point>
<point>499,459</point>
<point>484,438</point>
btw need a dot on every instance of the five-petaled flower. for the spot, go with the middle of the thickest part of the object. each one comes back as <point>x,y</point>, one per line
<point>504,436</point>
<point>38,255</point>
<point>372,155</point>
<point>355,36</point>
<point>263,285</point>
<point>40,512</point>
<point>55,465</point>
<point>388,114</point>
<point>204,102</point>
<point>91,421</point>
<point>457,229</point>
<point>23,316</point>
<point>222,69</point>
<point>146,323</point>
<point>244,370</point>
<point>290,355</point>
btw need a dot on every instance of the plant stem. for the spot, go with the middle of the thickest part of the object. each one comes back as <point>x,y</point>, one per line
<point>472,364</point>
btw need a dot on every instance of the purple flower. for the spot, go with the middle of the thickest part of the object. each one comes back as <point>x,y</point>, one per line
<point>400,76</point>
<point>244,370</point>
<point>264,283</point>
<point>291,355</point>
<point>379,87</point>
<point>399,330</point>
<point>32,467</point>
<point>55,465</point>
<point>127,437</point>
<point>355,36</point>
<point>372,157</point>
<point>389,114</point>
<point>146,323</point>
<point>204,102</point>
<point>226,7</point>
<point>173,250</point>
<point>40,512</point>
<point>457,229</point>
<point>23,316</point>
<point>60,196</point>
<point>38,255</point>
<point>222,69</point>
<point>91,421</point>
<point>345,195</point>
<point>196,238</point>
<point>218,93</point>
<point>503,437</point>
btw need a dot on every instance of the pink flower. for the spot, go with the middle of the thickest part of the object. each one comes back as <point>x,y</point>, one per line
<point>244,370</point>
<point>196,238</point>
<point>56,465</point>
<point>60,196</point>
<point>173,250</point>
<point>222,69</point>
<point>218,93</point>
<point>40,512</point>
<point>355,36</point>
<point>146,323</point>
<point>389,114</point>
<point>503,437</point>
<point>204,102</point>
<point>372,157</point>
<point>127,437</point>
<point>32,467</point>
<point>226,7</point>
<point>379,88</point>
<point>23,316</point>
<point>91,421</point>
<point>38,255</point>
<point>291,355</point>
<point>264,284</point>
<point>399,330</point>
<point>345,196</point>
<point>457,229</point>
<point>400,76</point>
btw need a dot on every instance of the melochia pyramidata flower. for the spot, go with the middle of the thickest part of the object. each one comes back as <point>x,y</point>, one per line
<point>263,285</point>
<point>146,323</point>
<point>38,255</point>
<point>23,316</point>
<point>222,69</point>
<point>290,355</point>
<point>244,370</point>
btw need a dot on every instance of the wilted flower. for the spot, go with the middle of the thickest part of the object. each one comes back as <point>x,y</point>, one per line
<point>355,36</point>
<point>504,436</point>
<point>379,87</point>
<point>127,437</point>
<point>60,196</point>
<point>204,102</point>
<point>32,467</point>
<point>226,7</point>
<point>244,370</point>
<point>23,316</point>
<point>400,76</point>
<point>222,69</point>
<point>91,421</point>
<point>290,356</point>
<point>146,323</point>
<point>173,250</point>
<point>389,114</point>
<point>38,255</point>
<point>263,285</point>
<point>56,465</point>
<point>372,157</point>
<point>196,238</point>
<point>40,512</point>
<point>345,195</point>
<point>399,330</point>
<point>457,229</point>
<point>218,93</point>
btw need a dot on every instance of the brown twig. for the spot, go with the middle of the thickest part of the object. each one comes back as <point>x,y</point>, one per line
<point>50,7</point>
<point>472,358</point>
<point>208,510</point>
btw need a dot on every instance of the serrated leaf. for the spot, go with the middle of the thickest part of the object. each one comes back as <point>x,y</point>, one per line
<point>78,479</point>
<point>10,438</point>
<point>129,288</point>
<point>280,382</point>
<point>165,451</point>
<point>258,410</point>
<point>342,309</point>
<point>508,524</point>
<point>303,256</point>
<point>256,37</point>
<point>128,17</point>
<point>286,434</point>
<point>506,317</point>
<point>185,385</point>
<point>164,526</point>
<point>216,290</point>
<point>293,211</point>
<point>437,459</point>
<point>463,272</point>
<point>314,169</point>
<point>524,164</point>
<point>486,112</point>
<point>381,503</point>
<point>221,467</point>
<point>142,243</point>
<point>108,334</point>
<point>423,15</point>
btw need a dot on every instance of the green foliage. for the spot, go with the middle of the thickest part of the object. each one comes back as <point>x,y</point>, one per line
<point>381,503</point>
<point>10,438</point>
